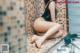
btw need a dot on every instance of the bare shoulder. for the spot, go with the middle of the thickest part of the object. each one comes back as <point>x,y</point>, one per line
<point>52,4</point>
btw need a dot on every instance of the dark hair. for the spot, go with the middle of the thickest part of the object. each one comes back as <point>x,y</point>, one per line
<point>46,1</point>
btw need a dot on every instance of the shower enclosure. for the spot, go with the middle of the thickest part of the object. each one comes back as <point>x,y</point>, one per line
<point>74,16</point>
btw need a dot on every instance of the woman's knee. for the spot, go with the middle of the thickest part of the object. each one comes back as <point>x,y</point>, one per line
<point>57,25</point>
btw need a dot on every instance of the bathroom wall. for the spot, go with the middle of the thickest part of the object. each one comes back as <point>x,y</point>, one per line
<point>12,25</point>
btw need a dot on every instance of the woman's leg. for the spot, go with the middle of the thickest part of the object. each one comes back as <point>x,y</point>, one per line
<point>52,30</point>
<point>57,34</point>
<point>45,26</point>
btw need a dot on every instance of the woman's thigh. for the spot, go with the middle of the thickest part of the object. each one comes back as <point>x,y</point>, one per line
<point>43,26</point>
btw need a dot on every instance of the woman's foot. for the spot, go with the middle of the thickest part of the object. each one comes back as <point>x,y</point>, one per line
<point>39,42</point>
<point>34,38</point>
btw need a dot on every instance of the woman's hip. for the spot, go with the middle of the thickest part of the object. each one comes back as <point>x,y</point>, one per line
<point>41,25</point>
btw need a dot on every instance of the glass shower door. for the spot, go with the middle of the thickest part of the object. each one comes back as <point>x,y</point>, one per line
<point>74,16</point>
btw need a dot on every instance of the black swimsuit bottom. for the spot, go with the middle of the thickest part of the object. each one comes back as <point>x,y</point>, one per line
<point>46,15</point>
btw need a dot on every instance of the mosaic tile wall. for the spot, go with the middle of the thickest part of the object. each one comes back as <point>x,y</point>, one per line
<point>12,25</point>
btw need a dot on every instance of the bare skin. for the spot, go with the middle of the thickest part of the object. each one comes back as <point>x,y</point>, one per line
<point>50,28</point>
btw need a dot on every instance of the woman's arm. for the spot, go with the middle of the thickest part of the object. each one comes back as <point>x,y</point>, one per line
<point>52,10</point>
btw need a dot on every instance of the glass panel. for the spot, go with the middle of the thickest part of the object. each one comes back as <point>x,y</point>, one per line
<point>74,16</point>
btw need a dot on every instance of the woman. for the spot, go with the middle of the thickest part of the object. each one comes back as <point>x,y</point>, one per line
<point>46,23</point>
